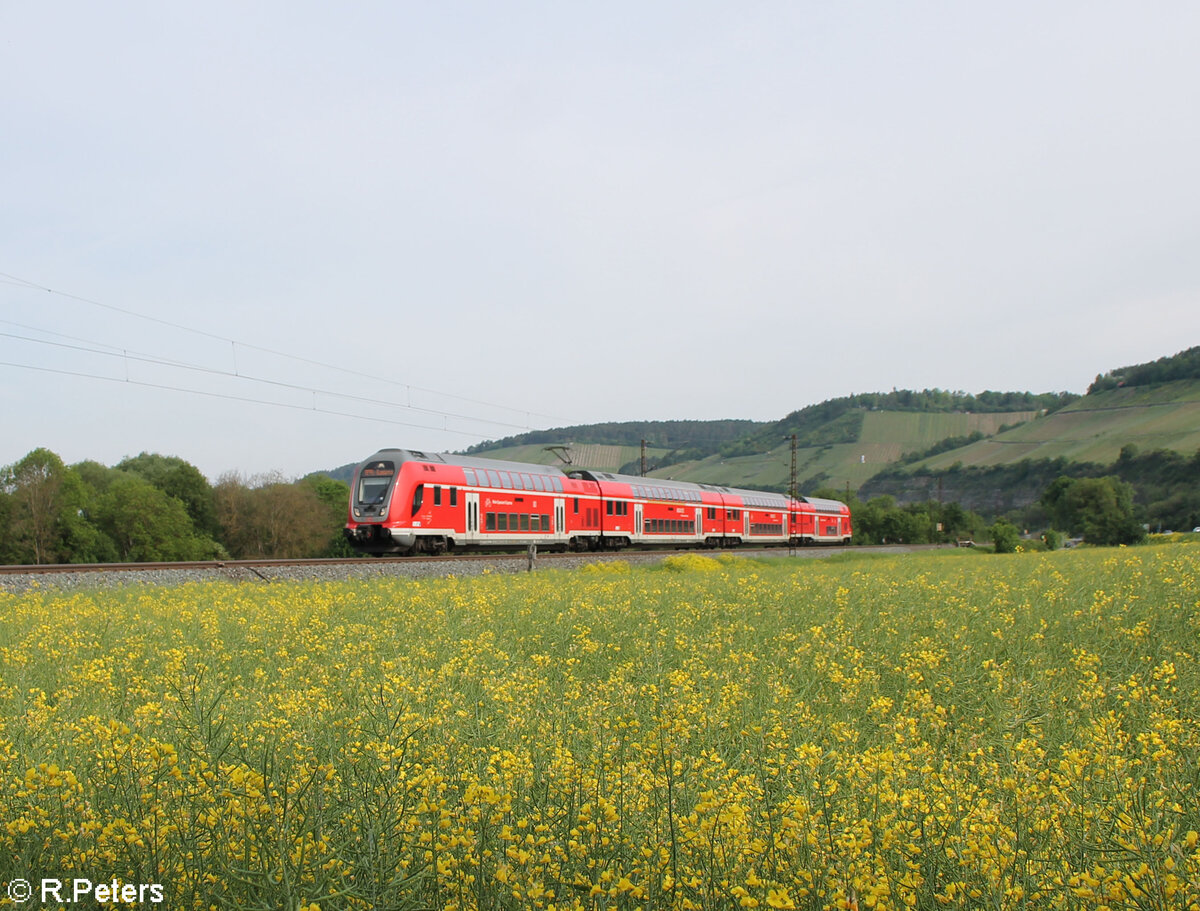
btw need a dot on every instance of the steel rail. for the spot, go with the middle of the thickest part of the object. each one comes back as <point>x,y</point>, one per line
<point>53,568</point>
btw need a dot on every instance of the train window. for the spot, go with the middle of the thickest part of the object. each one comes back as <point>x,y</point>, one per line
<point>490,522</point>
<point>609,507</point>
<point>506,480</point>
<point>535,522</point>
<point>546,523</point>
<point>453,496</point>
<point>577,506</point>
<point>418,495</point>
<point>437,496</point>
<point>512,521</point>
<point>469,475</point>
<point>524,521</point>
<point>502,521</point>
<point>373,490</point>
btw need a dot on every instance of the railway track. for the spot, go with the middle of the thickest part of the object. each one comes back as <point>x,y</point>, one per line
<point>84,575</point>
<point>214,565</point>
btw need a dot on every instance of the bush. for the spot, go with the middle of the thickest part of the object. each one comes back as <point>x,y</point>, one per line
<point>1005,537</point>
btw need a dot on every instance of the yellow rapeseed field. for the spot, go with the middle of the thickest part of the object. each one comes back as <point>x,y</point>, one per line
<point>926,731</point>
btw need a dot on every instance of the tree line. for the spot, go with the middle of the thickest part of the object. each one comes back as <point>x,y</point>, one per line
<point>1182,366</point>
<point>1096,510</point>
<point>840,420</point>
<point>1164,485</point>
<point>161,508</point>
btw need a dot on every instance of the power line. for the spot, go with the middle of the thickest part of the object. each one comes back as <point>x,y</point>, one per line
<point>237,398</point>
<point>21,282</point>
<point>138,357</point>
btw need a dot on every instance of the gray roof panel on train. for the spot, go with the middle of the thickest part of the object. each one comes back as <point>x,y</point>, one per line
<point>450,458</point>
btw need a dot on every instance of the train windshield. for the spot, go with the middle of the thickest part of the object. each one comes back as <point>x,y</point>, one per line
<point>374,481</point>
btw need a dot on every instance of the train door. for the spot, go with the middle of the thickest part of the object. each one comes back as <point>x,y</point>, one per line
<point>560,519</point>
<point>637,519</point>
<point>745,525</point>
<point>472,518</point>
<point>699,521</point>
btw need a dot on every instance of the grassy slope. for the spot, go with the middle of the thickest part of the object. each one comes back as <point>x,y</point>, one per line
<point>1095,428</point>
<point>885,437</point>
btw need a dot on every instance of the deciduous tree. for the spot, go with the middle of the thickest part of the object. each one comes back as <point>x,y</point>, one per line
<point>44,499</point>
<point>1099,509</point>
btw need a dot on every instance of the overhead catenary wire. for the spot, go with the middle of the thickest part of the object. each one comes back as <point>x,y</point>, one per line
<point>237,398</point>
<point>139,357</point>
<point>529,414</point>
<point>299,359</point>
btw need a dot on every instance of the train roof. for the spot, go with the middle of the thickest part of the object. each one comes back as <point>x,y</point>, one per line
<point>823,505</point>
<point>450,458</point>
<point>650,488</point>
<point>669,489</point>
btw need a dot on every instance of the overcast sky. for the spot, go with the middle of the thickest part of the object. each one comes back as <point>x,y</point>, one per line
<point>279,236</point>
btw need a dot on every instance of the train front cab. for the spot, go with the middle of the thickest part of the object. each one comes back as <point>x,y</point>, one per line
<point>412,502</point>
<point>373,494</point>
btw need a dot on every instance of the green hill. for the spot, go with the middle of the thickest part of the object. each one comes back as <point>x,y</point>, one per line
<point>1140,424</point>
<point>880,439</point>
<point>618,446</point>
<point>1094,429</point>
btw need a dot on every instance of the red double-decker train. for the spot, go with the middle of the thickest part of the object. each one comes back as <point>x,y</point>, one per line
<point>404,501</point>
